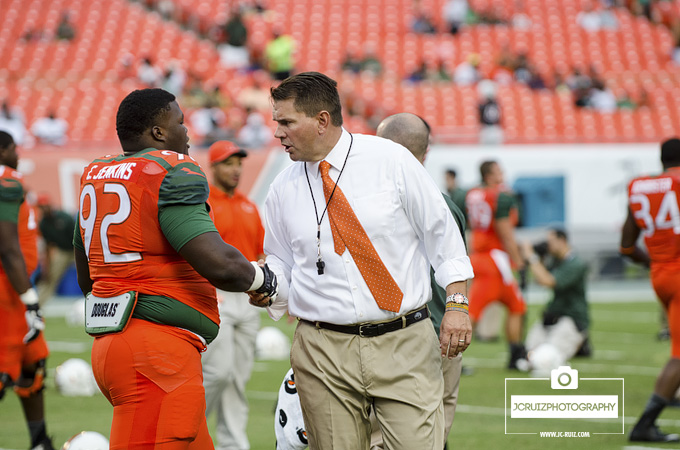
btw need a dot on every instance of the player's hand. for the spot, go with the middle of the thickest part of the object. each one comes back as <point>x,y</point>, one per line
<point>35,322</point>
<point>259,300</point>
<point>455,333</point>
<point>265,294</point>
<point>270,286</point>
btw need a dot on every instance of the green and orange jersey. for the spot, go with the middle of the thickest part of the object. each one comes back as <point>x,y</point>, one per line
<point>238,222</point>
<point>654,202</point>
<point>485,205</point>
<point>122,228</point>
<point>14,208</point>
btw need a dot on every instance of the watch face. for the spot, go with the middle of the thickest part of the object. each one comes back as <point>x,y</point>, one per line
<point>460,298</point>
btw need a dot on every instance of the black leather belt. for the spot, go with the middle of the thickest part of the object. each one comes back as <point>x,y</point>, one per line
<point>376,329</point>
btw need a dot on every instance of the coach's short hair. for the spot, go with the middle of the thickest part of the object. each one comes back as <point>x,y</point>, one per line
<point>670,152</point>
<point>312,92</point>
<point>6,139</point>
<point>139,112</point>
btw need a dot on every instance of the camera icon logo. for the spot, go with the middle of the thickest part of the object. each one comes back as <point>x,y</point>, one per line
<point>564,377</point>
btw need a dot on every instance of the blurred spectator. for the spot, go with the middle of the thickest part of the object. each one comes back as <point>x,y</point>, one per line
<point>279,53</point>
<point>174,78</point>
<point>33,35</point>
<point>233,52</point>
<point>601,98</point>
<point>520,20</point>
<point>454,191</point>
<point>255,134</point>
<point>50,130</point>
<point>419,74</point>
<point>255,97</point>
<point>608,19</point>
<point>148,74</point>
<point>441,73</point>
<point>206,120</point>
<point>352,62</point>
<point>65,30</point>
<point>12,121</point>
<point>466,73</point>
<point>166,8</point>
<point>455,14</point>
<point>56,228</point>
<point>503,72</point>
<point>422,24</point>
<point>126,67</point>
<point>490,132</point>
<point>589,19</point>
<point>370,61</point>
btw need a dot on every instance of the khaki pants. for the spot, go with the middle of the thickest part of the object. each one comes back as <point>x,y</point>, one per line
<point>564,335</point>
<point>451,369</point>
<point>60,261</point>
<point>340,376</point>
<point>227,365</point>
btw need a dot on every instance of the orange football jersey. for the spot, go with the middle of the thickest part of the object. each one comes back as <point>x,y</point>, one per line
<point>482,210</point>
<point>120,198</point>
<point>653,201</point>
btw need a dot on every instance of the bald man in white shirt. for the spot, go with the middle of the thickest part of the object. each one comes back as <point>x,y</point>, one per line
<point>360,289</point>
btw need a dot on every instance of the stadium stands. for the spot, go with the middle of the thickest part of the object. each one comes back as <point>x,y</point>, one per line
<point>82,78</point>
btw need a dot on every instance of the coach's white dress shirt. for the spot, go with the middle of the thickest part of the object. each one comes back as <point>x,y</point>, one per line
<point>402,211</point>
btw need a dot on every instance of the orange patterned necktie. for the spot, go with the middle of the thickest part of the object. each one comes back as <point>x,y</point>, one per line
<point>348,232</point>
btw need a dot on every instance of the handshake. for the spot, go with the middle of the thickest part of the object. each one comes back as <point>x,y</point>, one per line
<point>265,286</point>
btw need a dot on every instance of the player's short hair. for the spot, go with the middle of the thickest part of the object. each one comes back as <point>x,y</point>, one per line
<point>139,112</point>
<point>670,152</point>
<point>560,233</point>
<point>486,167</point>
<point>451,172</point>
<point>6,139</point>
<point>312,92</point>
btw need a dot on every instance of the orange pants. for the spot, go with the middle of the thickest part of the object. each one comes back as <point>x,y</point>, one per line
<point>152,376</point>
<point>14,354</point>
<point>488,286</point>
<point>666,282</point>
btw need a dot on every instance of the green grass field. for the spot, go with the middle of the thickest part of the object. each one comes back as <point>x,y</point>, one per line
<point>623,335</point>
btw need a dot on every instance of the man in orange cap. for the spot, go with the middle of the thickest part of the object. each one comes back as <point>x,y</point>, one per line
<point>229,359</point>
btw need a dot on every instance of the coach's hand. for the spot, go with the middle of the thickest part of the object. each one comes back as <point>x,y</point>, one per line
<point>35,322</point>
<point>455,333</point>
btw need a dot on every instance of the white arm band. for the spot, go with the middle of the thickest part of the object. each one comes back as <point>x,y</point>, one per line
<point>30,297</point>
<point>259,277</point>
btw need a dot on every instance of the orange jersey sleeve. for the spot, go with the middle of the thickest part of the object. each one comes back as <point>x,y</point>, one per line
<point>654,202</point>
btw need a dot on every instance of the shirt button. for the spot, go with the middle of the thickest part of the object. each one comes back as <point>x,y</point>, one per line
<point>361,314</point>
<point>347,260</point>
<point>354,288</point>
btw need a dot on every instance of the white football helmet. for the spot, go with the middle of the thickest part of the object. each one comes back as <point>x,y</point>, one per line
<point>74,378</point>
<point>87,440</point>
<point>271,343</point>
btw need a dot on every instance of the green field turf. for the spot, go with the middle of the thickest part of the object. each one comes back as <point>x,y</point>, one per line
<point>623,335</point>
